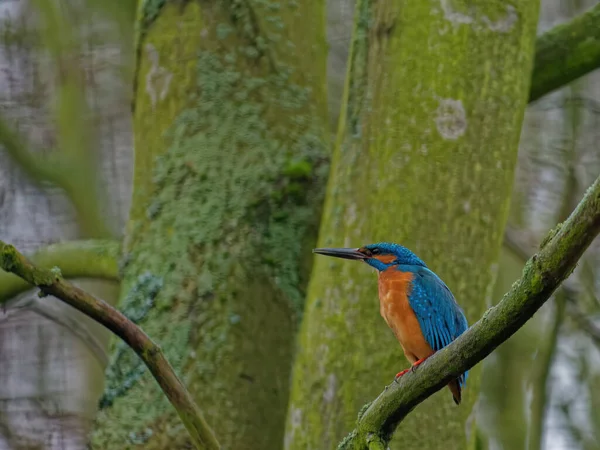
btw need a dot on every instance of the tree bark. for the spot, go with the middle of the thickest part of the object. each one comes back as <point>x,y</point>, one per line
<point>230,126</point>
<point>425,157</point>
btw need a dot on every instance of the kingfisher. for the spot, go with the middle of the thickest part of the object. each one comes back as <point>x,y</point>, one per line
<point>414,302</point>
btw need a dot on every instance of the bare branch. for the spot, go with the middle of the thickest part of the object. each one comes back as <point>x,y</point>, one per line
<point>62,172</point>
<point>542,274</point>
<point>51,282</point>
<point>583,321</point>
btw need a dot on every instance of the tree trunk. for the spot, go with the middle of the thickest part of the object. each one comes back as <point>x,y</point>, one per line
<point>425,158</point>
<point>230,128</point>
<point>339,34</point>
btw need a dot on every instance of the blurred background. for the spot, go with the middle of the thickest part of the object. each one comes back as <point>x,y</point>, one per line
<point>66,95</point>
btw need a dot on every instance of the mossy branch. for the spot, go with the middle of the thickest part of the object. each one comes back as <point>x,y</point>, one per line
<point>76,259</point>
<point>565,53</point>
<point>542,274</point>
<point>51,282</point>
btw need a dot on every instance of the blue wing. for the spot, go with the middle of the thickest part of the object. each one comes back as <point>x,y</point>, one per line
<point>441,318</point>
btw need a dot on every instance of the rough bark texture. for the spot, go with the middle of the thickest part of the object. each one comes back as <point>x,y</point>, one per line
<point>425,158</point>
<point>230,128</point>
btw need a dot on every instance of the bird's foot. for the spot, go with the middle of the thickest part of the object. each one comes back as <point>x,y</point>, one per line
<point>417,363</point>
<point>412,369</point>
<point>399,374</point>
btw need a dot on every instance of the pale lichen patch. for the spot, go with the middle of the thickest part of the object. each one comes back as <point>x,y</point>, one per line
<point>456,17</point>
<point>477,21</point>
<point>451,119</point>
<point>351,214</point>
<point>158,78</point>
<point>295,422</point>
<point>505,24</point>
<point>331,390</point>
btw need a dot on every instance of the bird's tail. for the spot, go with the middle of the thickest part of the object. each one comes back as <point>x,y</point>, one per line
<point>456,387</point>
<point>456,390</point>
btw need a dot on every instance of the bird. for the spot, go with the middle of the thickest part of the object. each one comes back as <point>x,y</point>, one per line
<point>414,302</point>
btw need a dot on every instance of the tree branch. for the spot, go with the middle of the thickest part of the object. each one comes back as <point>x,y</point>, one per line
<point>51,282</point>
<point>73,178</point>
<point>76,259</point>
<point>588,326</point>
<point>565,53</point>
<point>542,274</point>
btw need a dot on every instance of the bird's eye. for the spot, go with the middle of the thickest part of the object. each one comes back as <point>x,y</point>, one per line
<point>375,251</point>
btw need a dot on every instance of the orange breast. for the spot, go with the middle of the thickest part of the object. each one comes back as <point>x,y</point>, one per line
<point>394,287</point>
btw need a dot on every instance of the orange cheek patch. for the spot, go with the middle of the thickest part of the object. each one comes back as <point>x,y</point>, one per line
<point>386,259</point>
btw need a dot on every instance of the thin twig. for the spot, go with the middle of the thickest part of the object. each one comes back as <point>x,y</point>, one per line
<point>77,259</point>
<point>51,282</point>
<point>590,328</point>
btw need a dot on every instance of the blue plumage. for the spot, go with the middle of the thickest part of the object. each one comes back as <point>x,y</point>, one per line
<point>405,284</point>
<point>441,318</point>
<point>403,255</point>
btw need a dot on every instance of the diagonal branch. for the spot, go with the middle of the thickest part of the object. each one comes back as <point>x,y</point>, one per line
<point>583,321</point>
<point>66,173</point>
<point>51,282</point>
<point>542,274</point>
<point>565,53</point>
<point>76,259</point>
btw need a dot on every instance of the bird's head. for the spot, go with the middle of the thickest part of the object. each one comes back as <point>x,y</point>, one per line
<point>381,256</point>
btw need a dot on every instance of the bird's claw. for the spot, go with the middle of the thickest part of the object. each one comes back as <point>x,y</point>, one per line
<point>399,374</point>
<point>416,364</point>
<point>411,369</point>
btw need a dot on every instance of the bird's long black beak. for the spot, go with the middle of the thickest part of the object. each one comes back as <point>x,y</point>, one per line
<point>346,253</point>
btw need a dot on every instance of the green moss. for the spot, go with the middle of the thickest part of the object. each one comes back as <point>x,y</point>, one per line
<point>358,82</point>
<point>566,52</point>
<point>11,261</point>
<point>363,409</point>
<point>126,367</point>
<point>94,258</point>
<point>550,235</point>
<point>227,191</point>
<point>346,442</point>
<point>8,257</point>
<point>425,157</point>
<point>45,277</point>
<point>301,169</point>
<point>150,9</point>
